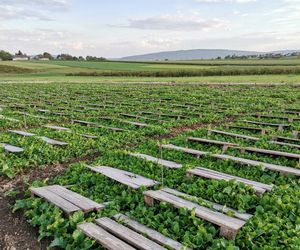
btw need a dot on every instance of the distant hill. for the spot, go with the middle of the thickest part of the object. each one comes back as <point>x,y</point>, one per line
<point>190,55</point>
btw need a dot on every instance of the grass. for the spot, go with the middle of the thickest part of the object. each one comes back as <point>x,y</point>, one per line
<point>228,71</point>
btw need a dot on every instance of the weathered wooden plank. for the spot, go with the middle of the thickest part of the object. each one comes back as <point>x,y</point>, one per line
<point>11,149</point>
<point>141,117</point>
<point>215,206</point>
<point>280,126</point>
<point>270,152</point>
<point>282,138</point>
<point>127,178</point>
<point>285,144</point>
<point>55,199</point>
<point>52,141</point>
<point>273,167</point>
<point>260,188</point>
<point>241,136</point>
<point>229,225</point>
<point>23,133</point>
<point>8,118</point>
<point>57,128</point>
<point>92,124</point>
<point>131,237</point>
<point>263,131</point>
<point>78,200</point>
<point>289,119</point>
<point>105,239</point>
<point>150,233</point>
<point>168,164</point>
<point>215,142</point>
<point>138,124</point>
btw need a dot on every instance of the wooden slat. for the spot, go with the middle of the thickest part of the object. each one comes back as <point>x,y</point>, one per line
<point>92,124</point>
<point>131,237</point>
<point>241,136</point>
<point>150,233</point>
<point>282,138</point>
<point>127,178</point>
<point>78,200</point>
<point>215,142</point>
<point>229,225</point>
<point>53,142</point>
<point>138,124</point>
<point>261,130</point>
<point>215,206</point>
<point>57,128</point>
<point>106,239</point>
<point>55,199</point>
<point>280,126</point>
<point>11,149</point>
<point>168,164</point>
<point>141,117</point>
<point>260,188</point>
<point>270,152</point>
<point>289,119</point>
<point>273,167</point>
<point>23,133</point>
<point>285,144</point>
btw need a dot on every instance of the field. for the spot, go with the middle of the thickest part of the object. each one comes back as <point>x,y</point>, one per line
<point>230,179</point>
<point>203,71</point>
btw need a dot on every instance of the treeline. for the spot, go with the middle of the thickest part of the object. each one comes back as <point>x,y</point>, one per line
<point>194,73</point>
<point>7,56</point>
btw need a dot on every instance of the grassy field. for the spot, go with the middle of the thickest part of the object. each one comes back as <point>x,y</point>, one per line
<point>241,71</point>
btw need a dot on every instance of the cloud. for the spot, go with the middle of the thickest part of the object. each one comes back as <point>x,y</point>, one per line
<point>31,9</point>
<point>176,23</point>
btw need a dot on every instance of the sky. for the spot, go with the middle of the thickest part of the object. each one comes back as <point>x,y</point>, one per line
<point>117,28</point>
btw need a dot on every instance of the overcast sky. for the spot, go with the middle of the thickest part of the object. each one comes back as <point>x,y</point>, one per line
<point>115,28</point>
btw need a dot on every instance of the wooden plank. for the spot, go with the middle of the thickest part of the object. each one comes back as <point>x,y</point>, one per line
<point>55,199</point>
<point>270,152</point>
<point>215,206</point>
<point>229,225</point>
<point>131,237</point>
<point>289,119</point>
<point>150,233</point>
<point>92,124</point>
<point>127,178</point>
<point>141,117</point>
<point>168,164</point>
<point>57,128</point>
<point>53,142</point>
<point>138,124</point>
<point>215,142</point>
<point>241,136</point>
<point>260,188</point>
<point>105,239</point>
<point>280,126</point>
<point>261,130</point>
<point>8,118</point>
<point>78,200</point>
<point>23,133</point>
<point>273,167</point>
<point>11,149</point>
<point>285,144</point>
<point>282,138</point>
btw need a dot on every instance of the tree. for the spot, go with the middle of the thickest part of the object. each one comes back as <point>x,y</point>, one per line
<point>47,55</point>
<point>20,53</point>
<point>5,56</point>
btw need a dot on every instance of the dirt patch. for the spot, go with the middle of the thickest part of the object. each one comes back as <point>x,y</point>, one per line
<point>15,232</point>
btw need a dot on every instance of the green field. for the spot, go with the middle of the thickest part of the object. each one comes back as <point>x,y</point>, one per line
<point>213,71</point>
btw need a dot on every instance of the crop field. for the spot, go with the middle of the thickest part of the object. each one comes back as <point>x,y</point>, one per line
<point>202,71</point>
<point>149,166</point>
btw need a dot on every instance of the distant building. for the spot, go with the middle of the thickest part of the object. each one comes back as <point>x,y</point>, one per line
<point>20,58</point>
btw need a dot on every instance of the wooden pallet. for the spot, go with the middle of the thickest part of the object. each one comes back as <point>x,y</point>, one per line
<point>168,164</point>
<point>11,149</point>
<point>225,145</point>
<point>128,234</point>
<point>240,136</point>
<point>65,199</point>
<point>260,188</point>
<point>127,178</point>
<point>229,225</point>
<point>272,167</point>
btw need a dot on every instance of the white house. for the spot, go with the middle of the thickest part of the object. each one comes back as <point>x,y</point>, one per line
<point>20,58</point>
